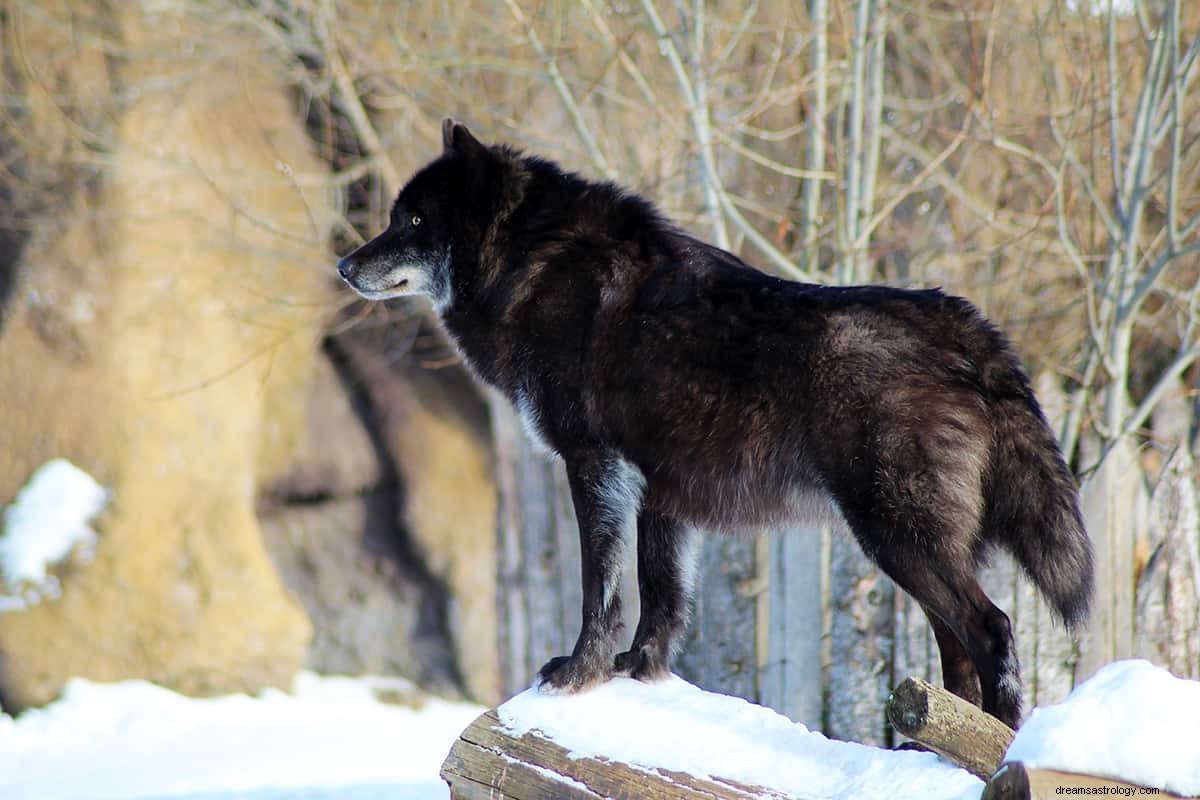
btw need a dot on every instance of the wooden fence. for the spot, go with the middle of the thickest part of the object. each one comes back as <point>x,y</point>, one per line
<point>802,622</point>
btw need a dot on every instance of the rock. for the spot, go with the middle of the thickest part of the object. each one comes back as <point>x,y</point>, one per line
<point>374,609</point>
<point>432,424</point>
<point>161,337</point>
<point>338,457</point>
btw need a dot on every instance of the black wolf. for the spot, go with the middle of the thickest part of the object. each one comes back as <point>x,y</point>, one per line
<point>685,389</point>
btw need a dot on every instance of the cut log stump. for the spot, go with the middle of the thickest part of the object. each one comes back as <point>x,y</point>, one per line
<point>1015,781</point>
<point>670,739</point>
<point>489,763</point>
<point>949,726</point>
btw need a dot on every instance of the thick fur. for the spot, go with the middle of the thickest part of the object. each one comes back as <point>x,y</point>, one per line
<point>684,389</point>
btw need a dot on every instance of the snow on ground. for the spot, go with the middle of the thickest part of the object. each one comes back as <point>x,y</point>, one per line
<point>674,725</point>
<point>1131,721</point>
<point>330,739</point>
<point>46,522</point>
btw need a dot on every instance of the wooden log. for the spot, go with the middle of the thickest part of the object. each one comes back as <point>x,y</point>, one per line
<point>489,762</point>
<point>1015,781</point>
<point>950,726</point>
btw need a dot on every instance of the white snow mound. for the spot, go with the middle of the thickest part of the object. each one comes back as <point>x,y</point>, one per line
<point>676,726</point>
<point>48,519</point>
<point>330,738</point>
<point>1131,721</point>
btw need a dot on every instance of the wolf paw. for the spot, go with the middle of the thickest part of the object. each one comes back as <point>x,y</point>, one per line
<point>571,674</point>
<point>645,663</point>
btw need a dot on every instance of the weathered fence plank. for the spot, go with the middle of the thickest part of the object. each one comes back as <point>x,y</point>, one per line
<point>1047,651</point>
<point>861,644</point>
<point>792,623</point>
<point>720,651</point>
<point>915,652</point>
<point>1168,592</point>
<point>538,587</point>
<point>1112,500</point>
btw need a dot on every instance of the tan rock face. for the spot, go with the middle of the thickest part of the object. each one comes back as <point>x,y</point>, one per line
<point>164,344</point>
<point>374,610</point>
<point>433,426</point>
<point>451,514</point>
<point>385,526</point>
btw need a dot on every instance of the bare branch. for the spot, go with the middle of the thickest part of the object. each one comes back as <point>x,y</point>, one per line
<point>770,163</point>
<point>1167,380</point>
<point>818,11</point>
<point>630,66</point>
<point>351,103</point>
<point>700,124</point>
<point>564,93</point>
<point>870,225</point>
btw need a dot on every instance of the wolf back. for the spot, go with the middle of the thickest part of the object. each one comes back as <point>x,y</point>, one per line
<point>684,389</point>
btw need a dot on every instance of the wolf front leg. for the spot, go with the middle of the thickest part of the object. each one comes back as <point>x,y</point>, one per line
<point>607,492</point>
<point>667,559</point>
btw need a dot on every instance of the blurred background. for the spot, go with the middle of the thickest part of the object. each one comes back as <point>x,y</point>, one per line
<point>299,480</point>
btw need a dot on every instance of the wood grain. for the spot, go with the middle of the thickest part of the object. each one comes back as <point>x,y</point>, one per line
<point>489,762</point>
<point>950,726</point>
<point>1015,781</point>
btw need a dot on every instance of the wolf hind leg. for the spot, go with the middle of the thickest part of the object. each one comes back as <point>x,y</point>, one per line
<point>666,558</point>
<point>950,593</point>
<point>958,670</point>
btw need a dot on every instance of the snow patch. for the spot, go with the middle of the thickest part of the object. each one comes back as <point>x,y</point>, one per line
<point>676,726</point>
<point>1098,8</point>
<point>47,521</point>
<point>133,740</point>
<point>1131,721</point>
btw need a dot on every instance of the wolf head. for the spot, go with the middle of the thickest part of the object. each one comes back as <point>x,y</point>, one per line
<point>414,255</point>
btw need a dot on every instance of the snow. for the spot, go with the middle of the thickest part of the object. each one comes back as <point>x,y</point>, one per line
<point>46,522</point>
<point>1096,8</point>
<point>676,726</point>
<point>1131,721</point>
<point>331,738</point>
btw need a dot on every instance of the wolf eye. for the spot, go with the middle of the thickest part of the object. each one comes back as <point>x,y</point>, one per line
<point>416,220</point>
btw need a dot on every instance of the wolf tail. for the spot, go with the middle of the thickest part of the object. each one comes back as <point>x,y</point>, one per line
<point>1034,506</point>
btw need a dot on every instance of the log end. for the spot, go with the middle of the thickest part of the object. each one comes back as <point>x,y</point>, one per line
<point>908,707</point>
<point>949,726</point>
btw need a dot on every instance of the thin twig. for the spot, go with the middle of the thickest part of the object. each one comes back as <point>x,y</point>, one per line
<point>700,124</point>
<point>352,104</point>
<point>565,94</point>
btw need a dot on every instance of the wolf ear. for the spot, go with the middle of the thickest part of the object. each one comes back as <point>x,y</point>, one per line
<point>456,137</point>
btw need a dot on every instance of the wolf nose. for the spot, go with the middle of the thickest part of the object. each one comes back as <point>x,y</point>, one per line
<point>345,268</point>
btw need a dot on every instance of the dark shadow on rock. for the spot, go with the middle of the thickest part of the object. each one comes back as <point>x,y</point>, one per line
<point>334,523</point>
<point>12,243</point>
<point>374,608</point>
